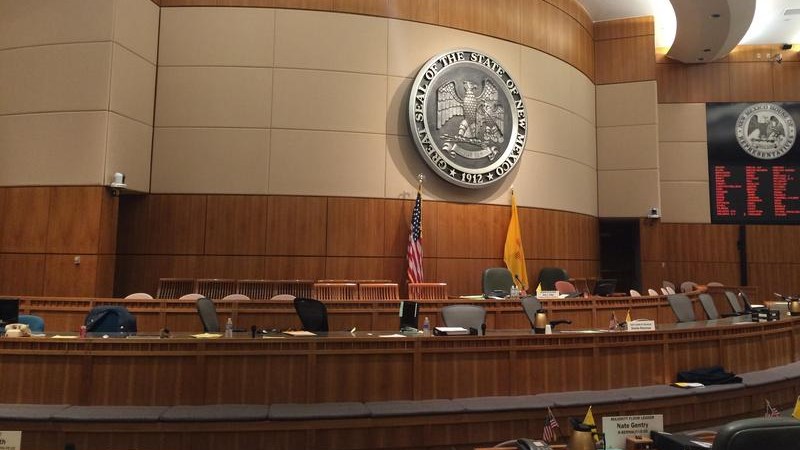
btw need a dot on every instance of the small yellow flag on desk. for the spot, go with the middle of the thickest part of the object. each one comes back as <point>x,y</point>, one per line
<point>628,316</point>
<point>589,420</point>
<point>796,412</point>
<point>539,289</point>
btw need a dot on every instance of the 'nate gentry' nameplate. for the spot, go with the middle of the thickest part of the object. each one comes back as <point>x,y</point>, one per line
<point>642,325</point>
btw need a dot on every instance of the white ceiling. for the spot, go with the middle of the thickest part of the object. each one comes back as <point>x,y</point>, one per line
<point>770,25</point>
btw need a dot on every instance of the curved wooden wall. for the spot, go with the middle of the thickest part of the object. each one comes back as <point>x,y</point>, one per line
<point>288,237</point>
<point>561,28</point>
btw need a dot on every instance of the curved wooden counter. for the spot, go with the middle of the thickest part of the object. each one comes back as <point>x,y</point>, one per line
<point>366,367</point>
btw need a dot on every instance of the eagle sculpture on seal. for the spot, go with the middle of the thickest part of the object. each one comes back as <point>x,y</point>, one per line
<point>483,115</point>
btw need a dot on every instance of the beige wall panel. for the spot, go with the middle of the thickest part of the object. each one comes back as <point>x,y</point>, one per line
<point>683,161</point>
<point>71,77</point>
<point>541,179</point>
<point>404,163</point>
<point>627,147</point>
<point>52,149</point>
<point>398,90</point>
<point>129,152</point>
<point>682,122</point>
<point>559,132</point>
<point>217,37</point>
<point>210,160</point>
<point>334,101</point>
<point>316,40</point>
<point>133,84</point>
<point>627,193</point>
<point>685,202</point>
<point>321,163</point>
<point>412,44</point>
<point>553,81</point>
<point>136,27</point>
<point>26,23</point>
<point>627,104</point>
<point>213,97</point>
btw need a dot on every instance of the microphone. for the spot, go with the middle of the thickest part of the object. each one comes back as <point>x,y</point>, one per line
<point>253,331</point>
<point>524,288</point>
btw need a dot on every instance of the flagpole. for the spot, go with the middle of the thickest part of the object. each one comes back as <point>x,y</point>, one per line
<point>420,179</point>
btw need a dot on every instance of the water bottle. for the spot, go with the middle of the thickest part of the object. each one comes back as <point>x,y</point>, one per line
<point>229,328</point>
<point>513,292</point>
<point>426,327</point>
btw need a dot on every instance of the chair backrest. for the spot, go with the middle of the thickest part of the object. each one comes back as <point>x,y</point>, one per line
<point>139,296</point>
<point>236,297</point>
<point>174,287</point>
<point>745,300</point>
<point>335,291</point>
<point>283,297</point>
<point>688,286</point>
<point>110,319</point>
<point>531,305</point>
<point>193,296</point>
<point>758,433</point>
<point>708,306</point>
<point>427,291</point>
<point>565,287</point>
<point>312,313</point>
<point>215,288</point>
<point>378,291</point>
<point>666,284</point>
<point>652,292</point>
<point>635,293</point>
<point>670,290</point>
<point>714,284</point>
<point>682,307</point>
<point>208,315</point>
<point>548,277</point>
<point>466,316</point>
<point>733,300</point>
<point>35,323</point>
<point>664,291</point>
<point>497,282</point>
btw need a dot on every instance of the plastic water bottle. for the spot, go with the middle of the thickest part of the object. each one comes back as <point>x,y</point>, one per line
<point>426,327</point>
<point>229,328</point>
<point>513,292</point>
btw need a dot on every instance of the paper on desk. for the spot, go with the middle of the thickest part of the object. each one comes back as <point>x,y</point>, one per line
<point>472,297</point>
<point>299,333</point>
<point>392,335</point>
<point>207,335</point>
<point>59,336</point>
<point>701,444</point>
<point>273,337</point>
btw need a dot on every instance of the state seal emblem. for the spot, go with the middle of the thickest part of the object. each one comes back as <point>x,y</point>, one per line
<point>467,118</point>
<point>765,131</point>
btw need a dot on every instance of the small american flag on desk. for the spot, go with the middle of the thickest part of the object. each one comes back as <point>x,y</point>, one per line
<point>550,426</point>
<point>414,254</point>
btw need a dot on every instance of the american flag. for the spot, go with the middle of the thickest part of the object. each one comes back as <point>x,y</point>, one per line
<point>414,254</point>
<point>550,425</point>
<point>771,411</point>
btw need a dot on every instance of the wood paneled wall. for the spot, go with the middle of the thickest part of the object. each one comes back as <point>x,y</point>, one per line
<point>287,237</point>
<point>624,50</point>
<point>746,74</point>
<point>561,28</point>
<point>42,232</point>
<point>709,252</point>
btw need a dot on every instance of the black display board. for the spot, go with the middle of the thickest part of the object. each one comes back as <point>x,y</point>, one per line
<point>753,162</point>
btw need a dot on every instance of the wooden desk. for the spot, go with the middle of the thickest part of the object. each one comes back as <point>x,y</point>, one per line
<point>367,367</point>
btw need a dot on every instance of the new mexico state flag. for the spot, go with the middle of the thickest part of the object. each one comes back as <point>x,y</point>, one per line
<point>513,255</point>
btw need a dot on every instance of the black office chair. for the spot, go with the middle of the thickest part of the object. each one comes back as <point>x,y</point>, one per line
<point>549,275</point>
<point>313,314</point>
<point>497,282</point>
<point>682,307</point>
<point>110,319</point>
<point>531,305</point>
<point>465,316</point>
<point>208,315</point>
<point>759,433</point>
<point>708,306</point>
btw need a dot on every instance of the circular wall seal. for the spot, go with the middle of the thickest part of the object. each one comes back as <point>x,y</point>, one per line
<point>467,118</point>
<point>765,130</point>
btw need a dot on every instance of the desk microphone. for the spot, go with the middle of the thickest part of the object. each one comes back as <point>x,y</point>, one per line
<point>253,329</point>
<point>524,288</point>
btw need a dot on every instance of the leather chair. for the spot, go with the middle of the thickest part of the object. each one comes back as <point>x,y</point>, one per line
<point>708,306</point>
<point>466,316</point>
<point>497,282</point>
<point>682,307</point>
<point>208,315</point>
<point>35,323</point>
<point>759,433</point>
<point>733,300</point>
<point>549,275</point>
<point>313,314</point>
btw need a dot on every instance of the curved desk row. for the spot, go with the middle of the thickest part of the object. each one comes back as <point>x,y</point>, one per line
<point>181,315</point>
<point>367,367</point>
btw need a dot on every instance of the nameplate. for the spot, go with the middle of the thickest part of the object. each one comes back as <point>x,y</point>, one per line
<point>10,440</point>
<point>547,294</point>
<point>618,428</point>
<point>642,325</point>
